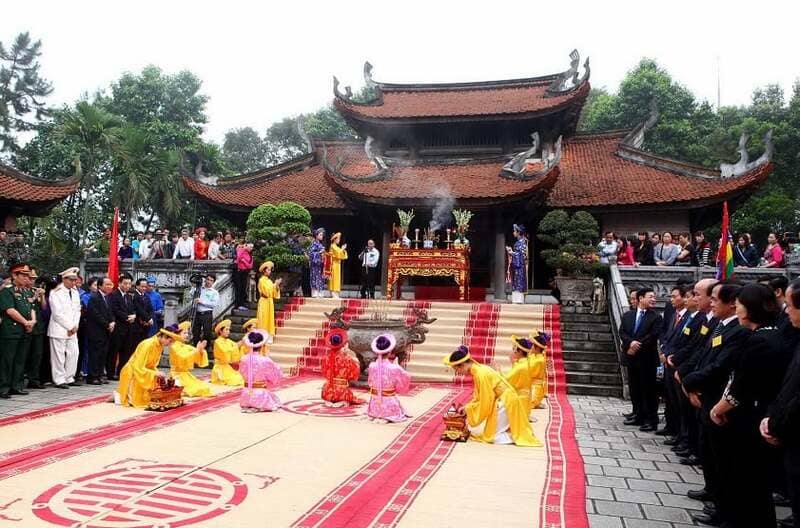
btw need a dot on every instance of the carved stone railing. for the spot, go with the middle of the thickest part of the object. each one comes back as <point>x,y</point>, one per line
<point>662,278</point>
<point>617,297</point>
<point>172,281</point>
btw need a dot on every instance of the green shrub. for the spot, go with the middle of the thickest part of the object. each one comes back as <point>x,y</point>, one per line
<point>270,228</point>
<point>572,252</point>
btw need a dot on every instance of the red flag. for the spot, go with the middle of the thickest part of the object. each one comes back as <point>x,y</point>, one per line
<point>113,249</point>
<point>725,254</point>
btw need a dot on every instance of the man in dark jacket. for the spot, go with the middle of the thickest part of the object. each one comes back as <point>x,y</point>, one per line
<point>125,316</point>
<point>705,385</point>
<point>99,329</point>
<point>669,341</point>
<point>144,312</point>
<point>639,335</point>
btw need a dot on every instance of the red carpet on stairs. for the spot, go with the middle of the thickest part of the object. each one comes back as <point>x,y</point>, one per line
<point>291,306</point>
<point>481,331</point>
<point>447,293</point>
<point>309,361</point>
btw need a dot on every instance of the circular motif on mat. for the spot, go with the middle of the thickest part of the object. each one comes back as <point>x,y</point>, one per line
<point>315,407</point>
<point>115,498</point>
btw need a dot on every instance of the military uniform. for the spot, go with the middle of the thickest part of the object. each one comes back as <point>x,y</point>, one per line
<point>33,361</point>
<point>14,340</point>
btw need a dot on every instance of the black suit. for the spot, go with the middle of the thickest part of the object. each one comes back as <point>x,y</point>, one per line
<point>743,457</point>
<point>714,365</point>
<point>144,313</point>
<point>680,352</point>
<point>643,364</point>
<point>98,317</point>
<point>673,332</point>
<point>122,345</point>
<point>784,424</point>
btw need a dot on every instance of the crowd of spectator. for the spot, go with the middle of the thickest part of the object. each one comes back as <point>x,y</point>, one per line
<point>662,249</point>
<point>172,245</point>
<point>723,358</point>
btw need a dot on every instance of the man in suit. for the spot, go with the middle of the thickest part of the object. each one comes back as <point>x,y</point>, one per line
<point>633,302</point>
<point>694,335</point>
<point>124,315</point>
<point>99,328</point>
<point>144,312</point>
<point>705,385</point>
<point>669,340</point>
<point>639,337</point>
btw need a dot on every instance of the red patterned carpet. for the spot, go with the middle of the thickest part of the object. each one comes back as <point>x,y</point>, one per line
<point>92,464</point>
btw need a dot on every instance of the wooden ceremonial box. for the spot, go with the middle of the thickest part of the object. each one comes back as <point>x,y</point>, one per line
<point>165,399</point>
<point>455,427</point>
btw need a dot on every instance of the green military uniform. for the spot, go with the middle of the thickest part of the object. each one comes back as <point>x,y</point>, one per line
<point>14,341</point>
<point>37,338</point>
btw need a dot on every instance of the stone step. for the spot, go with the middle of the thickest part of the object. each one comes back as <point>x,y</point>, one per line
<point>584,327</point>
<point>594,378</point>
<point>591,366</point>
<point>591,356</point>
<point>583,318</point>
<point>605,337</point>
<point>594,390</point>
<point>595,346</point>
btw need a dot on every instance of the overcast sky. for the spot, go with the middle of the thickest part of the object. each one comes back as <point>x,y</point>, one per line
<point>262,62</point>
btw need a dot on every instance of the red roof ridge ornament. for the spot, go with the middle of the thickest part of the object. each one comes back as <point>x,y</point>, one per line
<point>568,80</point>
<point>526,165</point>
<point>743,166</point>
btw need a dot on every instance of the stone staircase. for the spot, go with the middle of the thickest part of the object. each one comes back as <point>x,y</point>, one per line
<point>590,357</point>
<point>485,327</point>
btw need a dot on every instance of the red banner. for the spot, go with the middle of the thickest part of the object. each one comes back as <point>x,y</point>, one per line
<point>113,249</point>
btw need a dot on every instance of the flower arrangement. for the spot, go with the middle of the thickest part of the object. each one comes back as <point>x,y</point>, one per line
<point>462,217</point>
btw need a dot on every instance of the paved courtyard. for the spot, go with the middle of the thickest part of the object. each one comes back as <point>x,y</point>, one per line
<point>632,479</point>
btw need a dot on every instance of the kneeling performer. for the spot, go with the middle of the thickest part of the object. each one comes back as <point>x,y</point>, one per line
<point>259,373</point>
<point>386,380</point>
<point>495,415</point>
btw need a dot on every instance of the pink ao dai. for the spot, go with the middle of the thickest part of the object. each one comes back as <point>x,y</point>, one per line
<point>386,376</point>
<point>259,373</point>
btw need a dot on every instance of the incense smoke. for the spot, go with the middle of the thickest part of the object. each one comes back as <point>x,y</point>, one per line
<point>444,201</point>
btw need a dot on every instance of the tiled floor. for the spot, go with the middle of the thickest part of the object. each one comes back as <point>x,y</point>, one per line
<point>632,479</point>
<point>41,398</point>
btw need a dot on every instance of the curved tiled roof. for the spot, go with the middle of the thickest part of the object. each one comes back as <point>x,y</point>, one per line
<point>525,96</point>
<point>303,182</point>
<point>593,174</point>
<point>19,186</point>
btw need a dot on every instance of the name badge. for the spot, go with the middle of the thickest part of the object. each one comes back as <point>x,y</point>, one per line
<point>717,341</point>
<point>704,330</point>
<point>687,331</point>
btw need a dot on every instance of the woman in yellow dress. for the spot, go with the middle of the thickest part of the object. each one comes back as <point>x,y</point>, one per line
<point>182,359</point>
<point>138,377</point>
<point>225,352</point>
<point>520,375</point>
<point>537,360</point>
<point>338,254</point>
<point>250,324</point>
<point>268,291</point>
<point>496,414</point>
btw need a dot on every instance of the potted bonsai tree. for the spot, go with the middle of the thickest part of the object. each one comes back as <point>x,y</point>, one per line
<point>571,252</point>
<point>281,234</point>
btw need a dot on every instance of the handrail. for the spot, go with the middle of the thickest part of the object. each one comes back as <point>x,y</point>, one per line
<point>617,297</point>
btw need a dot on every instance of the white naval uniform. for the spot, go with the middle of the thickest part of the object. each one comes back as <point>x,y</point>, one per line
<point>65,314</point>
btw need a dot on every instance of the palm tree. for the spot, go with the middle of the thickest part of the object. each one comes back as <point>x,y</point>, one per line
<point>96,132</point>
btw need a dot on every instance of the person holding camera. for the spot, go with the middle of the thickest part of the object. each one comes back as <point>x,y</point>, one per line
<point>369,257</point>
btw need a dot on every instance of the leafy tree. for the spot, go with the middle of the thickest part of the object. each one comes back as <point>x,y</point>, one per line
<point>571,251</point>
<point>244,150</point>
<point>22,90</point>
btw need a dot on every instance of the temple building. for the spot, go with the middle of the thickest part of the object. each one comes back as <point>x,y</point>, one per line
<point>506,150</point>
<point>24,195</point>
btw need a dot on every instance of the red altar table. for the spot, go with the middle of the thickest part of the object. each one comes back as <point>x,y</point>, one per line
<point>406,262</point>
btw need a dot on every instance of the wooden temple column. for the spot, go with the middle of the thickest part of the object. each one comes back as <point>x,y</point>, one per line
<point>386,240</point>
<point>499,261</point>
